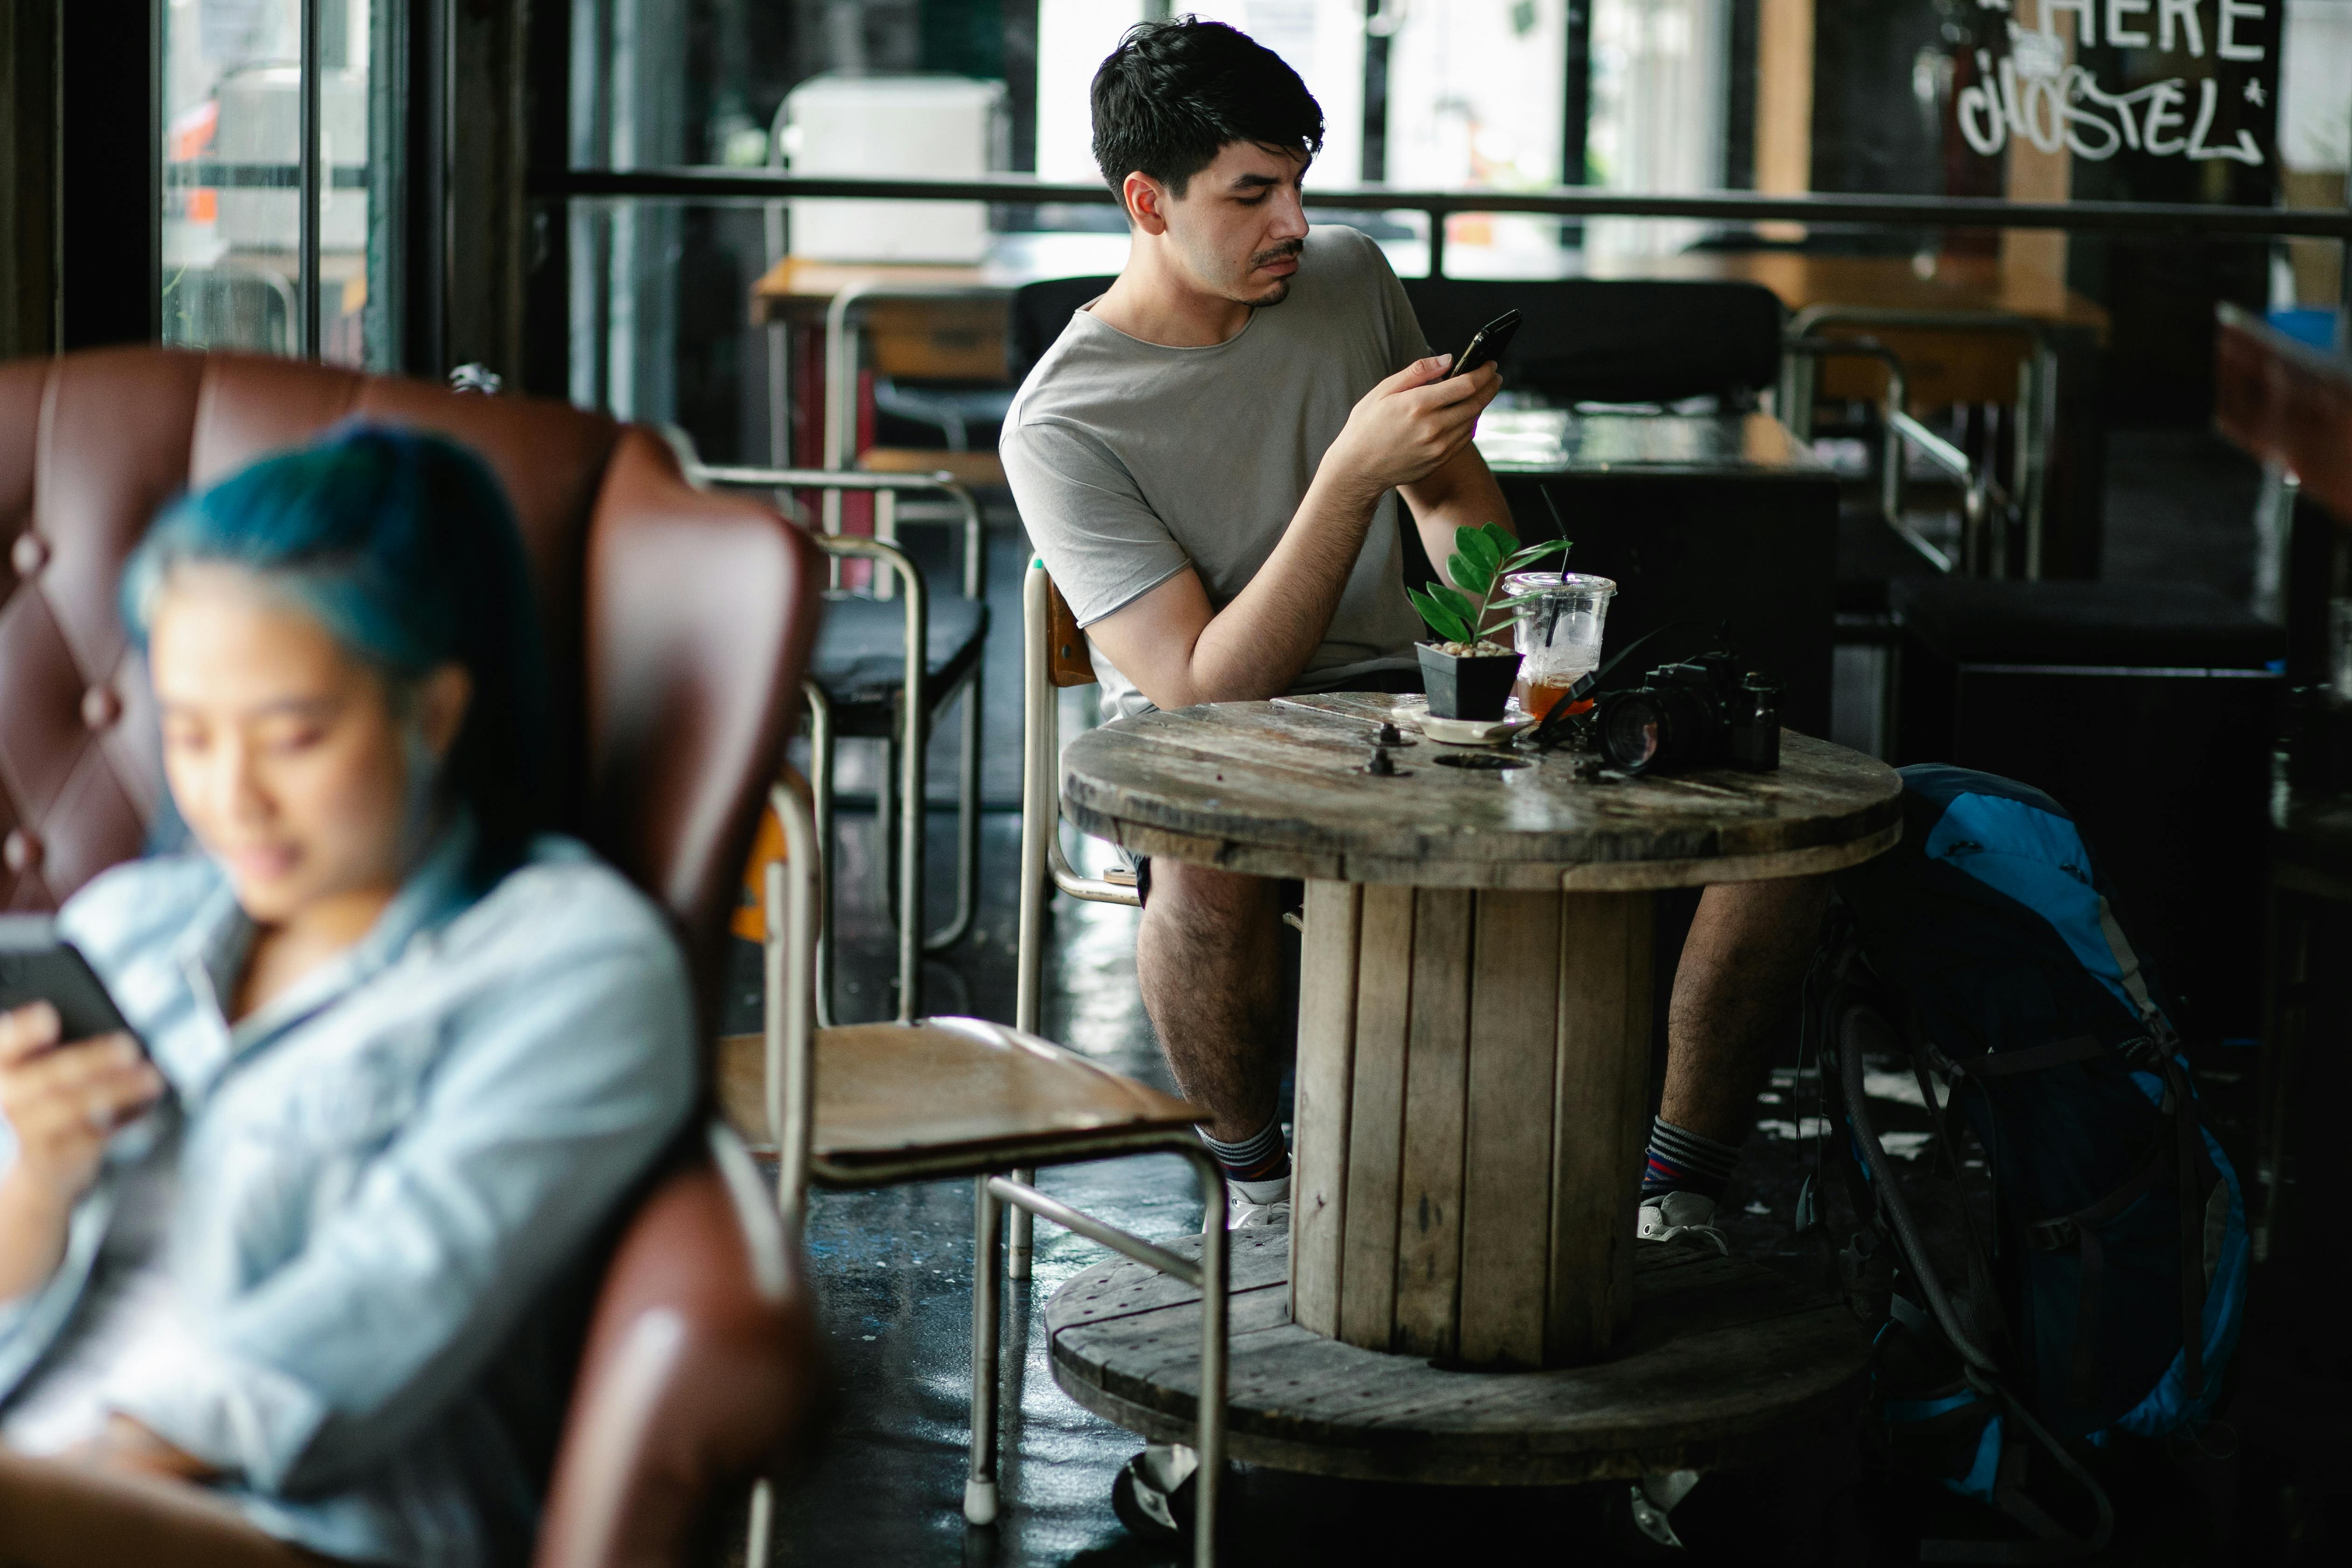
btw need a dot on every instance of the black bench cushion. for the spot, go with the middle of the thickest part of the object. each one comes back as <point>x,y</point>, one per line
<point>1614,340</point>
<point>1969,620</point>
<point>860,657</point>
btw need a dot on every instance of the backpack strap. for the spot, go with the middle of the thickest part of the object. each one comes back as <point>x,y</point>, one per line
<point>2134,983</point>
<point>2051,1542</point>
<point>1981,1286</point>
<point>2080,1231</point>
<point>2188,1130</point>
<point>2040,1058</point>
<point>2188,1135</point>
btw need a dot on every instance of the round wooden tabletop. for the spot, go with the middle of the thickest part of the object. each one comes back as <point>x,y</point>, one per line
<point>1279,789</point>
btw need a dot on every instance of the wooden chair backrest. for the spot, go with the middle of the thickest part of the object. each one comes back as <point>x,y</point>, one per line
<point>1066,661</point>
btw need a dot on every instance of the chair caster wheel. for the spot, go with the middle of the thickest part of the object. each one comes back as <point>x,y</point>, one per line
<point>1152,1494</point>
<point>980,1502</point>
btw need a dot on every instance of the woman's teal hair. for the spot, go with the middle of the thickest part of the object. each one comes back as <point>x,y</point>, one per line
<point>404,547</point>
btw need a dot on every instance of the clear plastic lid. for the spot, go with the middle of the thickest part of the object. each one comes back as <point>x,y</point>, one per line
<point>1559,627</point>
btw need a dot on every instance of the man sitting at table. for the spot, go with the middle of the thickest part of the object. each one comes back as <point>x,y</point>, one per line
<point>1213,483</point>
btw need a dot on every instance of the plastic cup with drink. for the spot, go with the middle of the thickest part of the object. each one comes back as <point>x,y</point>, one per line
<point>1559,618</point>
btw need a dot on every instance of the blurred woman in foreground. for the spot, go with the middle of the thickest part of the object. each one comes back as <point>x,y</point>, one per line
<point>403,1049</point>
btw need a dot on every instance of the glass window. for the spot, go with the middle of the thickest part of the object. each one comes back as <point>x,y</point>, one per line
<point>1477,99</point>
<point>233,197</point>
<point>2314,145</point>
<point>1660,74</point>
<point>1323,41</point>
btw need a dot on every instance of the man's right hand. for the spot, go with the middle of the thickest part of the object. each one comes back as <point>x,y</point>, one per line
<point>1408,425</point>
<point>63,1101</point>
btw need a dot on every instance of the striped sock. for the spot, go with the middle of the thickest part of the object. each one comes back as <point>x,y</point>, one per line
<point>1264,1156</point>
<point>1682,1161</point>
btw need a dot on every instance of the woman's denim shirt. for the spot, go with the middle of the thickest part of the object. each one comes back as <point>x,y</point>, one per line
<point>382,1175</point>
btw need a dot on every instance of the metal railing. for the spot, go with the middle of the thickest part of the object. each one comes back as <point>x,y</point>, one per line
<point>2170,219</point>
<point>1986,509</point>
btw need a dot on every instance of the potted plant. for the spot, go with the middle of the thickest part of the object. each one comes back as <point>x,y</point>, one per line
<point>1466,674</point>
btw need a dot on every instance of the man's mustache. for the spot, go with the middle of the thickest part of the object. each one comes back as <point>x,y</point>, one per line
<point>1283,252</point>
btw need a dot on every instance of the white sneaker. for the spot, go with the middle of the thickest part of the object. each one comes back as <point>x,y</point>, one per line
<point>1267,1206</point>
<point>1683,1219</point>
<point>1243,1215</point>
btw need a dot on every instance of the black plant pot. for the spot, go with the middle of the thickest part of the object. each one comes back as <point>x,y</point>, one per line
<point>1475,686</point>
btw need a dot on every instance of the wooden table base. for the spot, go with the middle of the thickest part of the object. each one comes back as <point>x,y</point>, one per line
<point>1724,1357</point>
<point>1473,1080</point>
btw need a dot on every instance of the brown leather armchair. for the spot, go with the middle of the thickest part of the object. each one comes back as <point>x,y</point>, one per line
<point>679,625</point>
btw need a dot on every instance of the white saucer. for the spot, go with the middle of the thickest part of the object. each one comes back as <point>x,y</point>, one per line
<point>1472,731</point>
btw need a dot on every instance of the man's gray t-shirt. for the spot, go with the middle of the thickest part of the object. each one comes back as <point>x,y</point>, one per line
<point>1132,460</point>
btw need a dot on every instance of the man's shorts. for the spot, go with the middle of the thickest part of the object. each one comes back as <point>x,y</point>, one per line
<point>1290,889</point>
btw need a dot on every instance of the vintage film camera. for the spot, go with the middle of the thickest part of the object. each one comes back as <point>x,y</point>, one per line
<point>1704,712</point>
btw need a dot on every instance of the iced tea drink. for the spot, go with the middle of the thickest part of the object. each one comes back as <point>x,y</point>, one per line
<point>1559,622</point>
<point>1538,697</point>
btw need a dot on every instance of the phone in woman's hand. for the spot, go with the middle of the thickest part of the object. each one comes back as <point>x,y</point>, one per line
<point>36,964</point>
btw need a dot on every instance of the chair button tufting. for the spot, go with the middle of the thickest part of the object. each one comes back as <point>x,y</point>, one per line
<point>21,851</point>
<point>100,708</point>
<point>28,554</point>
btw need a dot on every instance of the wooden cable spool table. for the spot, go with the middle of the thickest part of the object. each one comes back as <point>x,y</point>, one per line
<point>1457,1298</point>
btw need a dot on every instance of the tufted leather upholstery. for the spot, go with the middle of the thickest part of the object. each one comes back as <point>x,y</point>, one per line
<point>674,617</point>
<point>682,1380</point>
<point>678,624</point>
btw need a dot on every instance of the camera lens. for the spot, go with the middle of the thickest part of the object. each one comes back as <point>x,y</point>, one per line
<point>1631,730</point>
<point>1653,727</point>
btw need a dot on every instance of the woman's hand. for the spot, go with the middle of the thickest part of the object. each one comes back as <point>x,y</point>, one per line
<point>63,1101</point>
<point>124,1443</point>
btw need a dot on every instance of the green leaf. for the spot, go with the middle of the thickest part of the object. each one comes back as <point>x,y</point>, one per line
<point>1535,552</point>
<point>1501,537</point>
<point>1473,576</point>
<point>1442,621</point>
<point>1480,546</point>
<point>1457,603</point>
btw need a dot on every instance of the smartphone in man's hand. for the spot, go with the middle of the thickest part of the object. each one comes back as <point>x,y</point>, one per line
<point>1487,344</point>
<point>36,964</point>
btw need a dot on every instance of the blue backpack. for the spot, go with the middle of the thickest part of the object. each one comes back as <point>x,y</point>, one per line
<point>1986,954</point>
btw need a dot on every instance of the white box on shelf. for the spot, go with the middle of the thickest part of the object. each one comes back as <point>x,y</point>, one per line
<point>941,127</point>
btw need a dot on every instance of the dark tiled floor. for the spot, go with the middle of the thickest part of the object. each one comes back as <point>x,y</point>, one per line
<point>893,1268</point>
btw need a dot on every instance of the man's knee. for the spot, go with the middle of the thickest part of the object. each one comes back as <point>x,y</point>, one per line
<point>1743,919</point>
<point>1203,899</point>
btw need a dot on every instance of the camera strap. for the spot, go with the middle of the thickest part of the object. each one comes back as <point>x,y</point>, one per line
<point>1553,731</point>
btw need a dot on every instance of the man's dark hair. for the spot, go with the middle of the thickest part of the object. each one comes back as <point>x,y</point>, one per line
<point>1172,93</point>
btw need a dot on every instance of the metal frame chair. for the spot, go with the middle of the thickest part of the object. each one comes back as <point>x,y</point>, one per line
<point>794,1061</point>
<point>904,797</point>
<point>1987,507</point>
<point>1052,655</point>
<point>950,414</point>
<point>844,348</point>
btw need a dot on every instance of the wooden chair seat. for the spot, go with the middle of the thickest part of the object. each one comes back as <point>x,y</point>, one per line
<point>877,1104</point>
<point>956,1088</point>
<point>981,468</point>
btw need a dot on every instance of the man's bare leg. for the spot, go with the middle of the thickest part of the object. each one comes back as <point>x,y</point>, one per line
<point>1742,965</point>
<point>1208,958</point>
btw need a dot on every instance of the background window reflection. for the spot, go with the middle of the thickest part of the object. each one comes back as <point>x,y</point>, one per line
<point>232,184</point>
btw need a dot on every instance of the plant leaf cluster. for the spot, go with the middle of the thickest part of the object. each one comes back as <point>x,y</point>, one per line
<point>1482,559</point>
